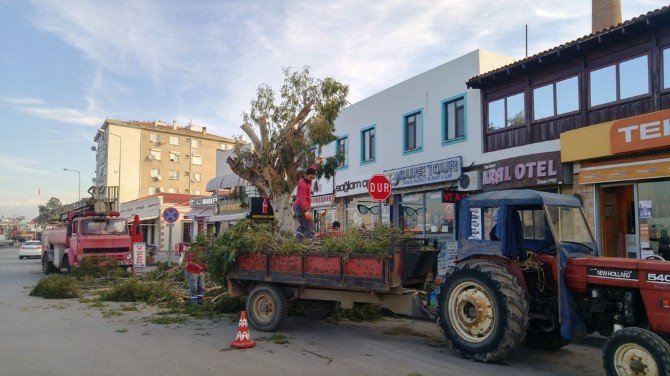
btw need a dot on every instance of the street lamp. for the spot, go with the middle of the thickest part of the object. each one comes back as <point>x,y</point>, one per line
<point>119,170</point>
<point>78,180</point>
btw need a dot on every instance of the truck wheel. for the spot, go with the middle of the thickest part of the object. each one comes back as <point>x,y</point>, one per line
<point>636,351</point>
<point>266,307</point>
<point>318,309</point>
<point>65,265</point>
<point>47,266</point>
<point>483,311</point>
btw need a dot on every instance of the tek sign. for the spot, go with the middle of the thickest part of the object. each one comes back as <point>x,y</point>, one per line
<point>642,132</point>
<point>379,187</point>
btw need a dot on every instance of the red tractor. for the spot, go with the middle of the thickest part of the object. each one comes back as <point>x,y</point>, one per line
<point>527,269</point>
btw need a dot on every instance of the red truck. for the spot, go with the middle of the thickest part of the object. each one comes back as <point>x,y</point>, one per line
<point>85,233</point>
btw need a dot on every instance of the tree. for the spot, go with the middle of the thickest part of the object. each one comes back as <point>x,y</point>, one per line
<point>289,130</point>
<point>50,210</point>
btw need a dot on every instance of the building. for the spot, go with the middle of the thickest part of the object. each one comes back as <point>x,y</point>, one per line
<point>600,103</point>
<point>145,158</point>
<point>423,133</point>
<point>155,230</point>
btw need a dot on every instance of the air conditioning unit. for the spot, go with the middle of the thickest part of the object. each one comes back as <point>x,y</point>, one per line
<point>470,181</point>
<point>158,177</point>
<point>193,180</point>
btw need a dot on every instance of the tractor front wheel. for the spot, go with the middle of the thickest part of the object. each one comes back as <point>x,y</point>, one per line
<point>636,351</point>
<point>483,311</point>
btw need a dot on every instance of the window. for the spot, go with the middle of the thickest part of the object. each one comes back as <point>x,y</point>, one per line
<point>174,175</point>
<point>507,112</point>
<point>173,190</point>
<point>534,225</point>
<point>225,146</point>
<point>619,81</point>
<point>154,137</point>
<point>196,159</point>
<point>197,177</point>
<point>368,144</point>
<point>174,157</point>
<point>195,144</point>
<point>412,132</point>
<point>155,172</point>
<point>155,154</point>
<point>174,140</point>
<point>555,99</point>
<point>342,147</point>
<point>453,112</point>
<point>666,68</point>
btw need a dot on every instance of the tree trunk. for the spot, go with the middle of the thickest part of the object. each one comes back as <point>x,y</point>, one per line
<point>282,206</point>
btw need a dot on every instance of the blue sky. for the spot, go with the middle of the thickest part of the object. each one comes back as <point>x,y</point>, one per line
<point>67,65</point>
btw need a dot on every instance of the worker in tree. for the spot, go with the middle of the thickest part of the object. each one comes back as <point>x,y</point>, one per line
<point>303,204</point>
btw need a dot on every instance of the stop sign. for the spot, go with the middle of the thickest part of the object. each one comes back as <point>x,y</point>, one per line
<point>379,187</point>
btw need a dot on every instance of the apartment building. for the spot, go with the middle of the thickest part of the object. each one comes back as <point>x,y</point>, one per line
<point>145,158</point>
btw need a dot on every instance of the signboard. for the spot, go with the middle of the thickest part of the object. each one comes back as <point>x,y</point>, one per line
<point>453,196</point>
<point>139,255</point>
<point>525,171</point>
<point>350,187</point>
<point>170,215</point>
<point>476,223</point>
<point>446,259</point>
<point>650,167</point>
<point>379,187</point>
<point>642,132</point>
<point>261,208</point>
<point>645,209</point>
<point>425,173</point>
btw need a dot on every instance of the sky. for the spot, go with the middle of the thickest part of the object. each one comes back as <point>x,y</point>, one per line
<point>65,66</point>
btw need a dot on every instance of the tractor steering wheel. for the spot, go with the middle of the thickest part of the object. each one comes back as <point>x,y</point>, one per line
<point>655,257</point>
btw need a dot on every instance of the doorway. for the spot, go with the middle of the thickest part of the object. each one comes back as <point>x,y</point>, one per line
<point>617,221</point>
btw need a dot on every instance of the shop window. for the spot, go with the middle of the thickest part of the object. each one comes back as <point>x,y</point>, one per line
<point>439,215</point>
<point>412,213</point>
<point>412,132</point>
<point>556,99</point>
<point>342,148</point>
<point>453,112</point>
<point>364,213</point>
<point>368,145</point>
<point>506,112</point>
<point>619,81</point>
<point>654,218</point>
<point>666,68</point>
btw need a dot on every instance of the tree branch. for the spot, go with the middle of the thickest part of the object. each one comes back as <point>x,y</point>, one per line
<point>252,135</point>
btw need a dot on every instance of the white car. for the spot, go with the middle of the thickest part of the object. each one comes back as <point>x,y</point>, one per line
<point>31,248</point>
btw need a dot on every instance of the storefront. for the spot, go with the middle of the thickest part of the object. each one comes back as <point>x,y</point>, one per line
<point>418,193</point>
<point>357,208</point>
<point>543,171</point>
<point>625,166</point>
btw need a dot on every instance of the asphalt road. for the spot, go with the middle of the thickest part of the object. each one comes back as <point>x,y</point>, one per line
<point>66,337</point>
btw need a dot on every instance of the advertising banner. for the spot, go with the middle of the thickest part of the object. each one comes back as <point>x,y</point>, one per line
<point>139,255</point>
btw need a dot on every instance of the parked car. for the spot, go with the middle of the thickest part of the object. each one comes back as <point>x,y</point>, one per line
<point>31,248</point>
<point>4,241</point>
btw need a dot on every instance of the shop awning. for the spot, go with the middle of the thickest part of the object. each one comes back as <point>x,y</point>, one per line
<point>145,213</point>
<point>225,182</point>
<point>227,217</point>
<point>199,213</point>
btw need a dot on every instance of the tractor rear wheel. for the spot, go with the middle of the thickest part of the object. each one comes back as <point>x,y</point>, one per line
<point>636,351</point>
<point>267,307</point>
<point>483,311</point>
<point>318,309</point>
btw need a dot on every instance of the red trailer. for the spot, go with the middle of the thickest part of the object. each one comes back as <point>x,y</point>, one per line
<point>317,281</point>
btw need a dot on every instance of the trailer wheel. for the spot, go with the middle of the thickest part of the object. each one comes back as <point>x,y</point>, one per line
<point>47,266</point>
<point>483,311</point>
<point>318,309</point>
<point>267,307</point>
<point>636,351</point>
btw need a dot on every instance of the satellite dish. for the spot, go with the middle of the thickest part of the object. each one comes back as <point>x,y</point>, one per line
<point>151,157</point>
<point>159,178</point>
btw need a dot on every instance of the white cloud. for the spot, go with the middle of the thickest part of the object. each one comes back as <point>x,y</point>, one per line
<point>21,165</point>
<point>36,107</point>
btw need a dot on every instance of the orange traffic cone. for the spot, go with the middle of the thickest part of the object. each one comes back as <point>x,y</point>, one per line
<point>243,339</point>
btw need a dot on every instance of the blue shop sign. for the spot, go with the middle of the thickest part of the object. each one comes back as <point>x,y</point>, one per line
<point>425,173</point>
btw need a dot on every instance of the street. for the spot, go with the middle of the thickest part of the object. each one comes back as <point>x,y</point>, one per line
<point>69,337</point>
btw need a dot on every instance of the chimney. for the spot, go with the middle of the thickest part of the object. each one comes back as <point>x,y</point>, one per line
<point>605,14</point>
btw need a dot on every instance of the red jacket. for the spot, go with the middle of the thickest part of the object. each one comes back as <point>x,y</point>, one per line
<point>192,266</point>
<point>304,194</point>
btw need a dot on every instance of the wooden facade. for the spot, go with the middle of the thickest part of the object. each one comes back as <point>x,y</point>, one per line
<point>649,34</point>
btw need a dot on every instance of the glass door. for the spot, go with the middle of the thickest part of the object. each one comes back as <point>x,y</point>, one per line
<point>654,216</point>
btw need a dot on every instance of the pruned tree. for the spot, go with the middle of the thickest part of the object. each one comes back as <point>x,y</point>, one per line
<point>289,126</point>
